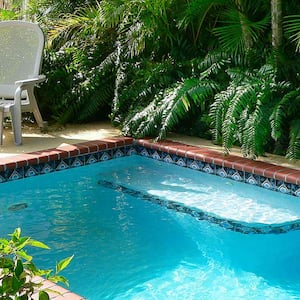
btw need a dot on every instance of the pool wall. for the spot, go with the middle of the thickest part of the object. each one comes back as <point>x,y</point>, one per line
<point>266,175</point>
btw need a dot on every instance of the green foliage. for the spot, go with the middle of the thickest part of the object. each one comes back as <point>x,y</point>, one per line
<point>284,119</point>
<point>168,108</point>
<point>292,27</point>
<point>238,33</point>
<point>139,61</point>
<point>17,270</point>
<point>241,113</point>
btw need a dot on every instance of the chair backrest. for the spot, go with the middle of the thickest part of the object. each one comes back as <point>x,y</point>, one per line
<point>21,50</point>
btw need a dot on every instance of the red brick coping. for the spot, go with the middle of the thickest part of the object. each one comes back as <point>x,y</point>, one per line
<point>61,152</point>
<point>206,155</point>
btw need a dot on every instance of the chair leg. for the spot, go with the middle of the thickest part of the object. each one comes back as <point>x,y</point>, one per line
<point>17,123</point>
<point>34,106</point>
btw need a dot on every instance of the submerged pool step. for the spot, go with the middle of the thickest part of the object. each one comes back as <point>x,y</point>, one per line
<point>242,227</point>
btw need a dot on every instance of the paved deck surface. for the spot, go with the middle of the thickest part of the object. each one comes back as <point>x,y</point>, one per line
<point>57,136</point>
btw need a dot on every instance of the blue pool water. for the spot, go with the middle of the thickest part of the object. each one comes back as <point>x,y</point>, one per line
<point>129,248</point>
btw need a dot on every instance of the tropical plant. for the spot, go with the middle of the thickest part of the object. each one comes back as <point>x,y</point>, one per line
<point>142,62</point>
<point>285,119</point>
<point>17,270</point>
<point>240,114</point>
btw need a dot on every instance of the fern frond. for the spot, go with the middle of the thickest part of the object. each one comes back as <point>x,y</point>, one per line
<point>256,131</point>
<point>244,96</point>
<point>293,151</point>
<point>284,111</point>
<point>169,107</point>
<point>217,112</point>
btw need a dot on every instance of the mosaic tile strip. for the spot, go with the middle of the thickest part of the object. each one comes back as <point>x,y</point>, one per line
<point>276,178</point>
<point>232,225</point>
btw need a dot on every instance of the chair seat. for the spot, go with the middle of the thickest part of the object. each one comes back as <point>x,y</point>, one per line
<point>7,91</point>
<point>6,104</point>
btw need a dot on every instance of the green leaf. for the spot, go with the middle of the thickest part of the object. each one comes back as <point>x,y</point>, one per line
<point>6,262</point>
<point>24,255</point>
<point>19,268</point>
<point>7,284</point>
<point>43,295</point>
<point>16,284</point>
<point>63,264</point>
<point>21,242</point>
<point>5,242</point>
<point>61,279</point>
<point>38,244</point>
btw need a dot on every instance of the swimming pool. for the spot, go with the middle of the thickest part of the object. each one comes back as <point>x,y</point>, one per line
<point>128,248</point>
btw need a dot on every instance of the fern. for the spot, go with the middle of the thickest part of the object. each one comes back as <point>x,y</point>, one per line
<point>284,111</point>
<point>240,114</point>
<point>293,151</point>
<point>169,107</point>
<point>285,118</point>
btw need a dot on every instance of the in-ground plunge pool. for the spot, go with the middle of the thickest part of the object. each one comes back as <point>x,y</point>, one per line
<point>144,229</point>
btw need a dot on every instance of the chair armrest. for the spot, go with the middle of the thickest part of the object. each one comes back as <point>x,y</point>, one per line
<point>31,81</point>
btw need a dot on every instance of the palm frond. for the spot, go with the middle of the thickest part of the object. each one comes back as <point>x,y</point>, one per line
<point>238,33</point>
<point>292,27</point>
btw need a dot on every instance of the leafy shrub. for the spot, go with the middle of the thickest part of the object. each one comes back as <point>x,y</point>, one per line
<point>17,271</point>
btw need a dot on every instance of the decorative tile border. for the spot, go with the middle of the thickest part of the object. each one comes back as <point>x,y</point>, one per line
<point>266,175</point>
<point>199,214</point>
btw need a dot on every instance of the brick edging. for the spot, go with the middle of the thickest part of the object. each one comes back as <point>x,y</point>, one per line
<point>238,163</point>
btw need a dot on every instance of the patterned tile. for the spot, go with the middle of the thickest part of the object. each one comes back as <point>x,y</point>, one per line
<point>91,159</point>
<point>76,162</point>
<point>283,187</point>
<point>267,183</point>
<point>31,171</point>
<point>181,162</point>
<point>155,155</point>
<point>144,152</point>
<point>251,178</point>
<point>221,172</point>
<point>131,151</point>
<point>237,176</point>
<point>62,165</point>
<point>168,159</point>
<point>104,156</point>
<point>193,164</point>
<point>16,174</point>
<point>209,168</point>
<point>2,177</point>
<point>46,168</point>
<point>118,153</point>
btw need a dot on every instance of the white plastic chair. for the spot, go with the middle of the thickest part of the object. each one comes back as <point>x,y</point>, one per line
<point>21,50</point>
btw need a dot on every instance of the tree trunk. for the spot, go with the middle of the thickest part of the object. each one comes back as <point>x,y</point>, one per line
<point>276,14</point>
<point>246,35</point>
<point>4,4</point>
